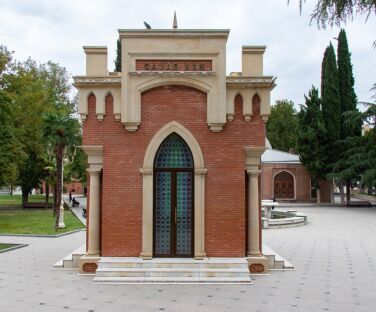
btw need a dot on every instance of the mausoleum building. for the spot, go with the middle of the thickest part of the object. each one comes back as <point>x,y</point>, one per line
<point>174,147</point>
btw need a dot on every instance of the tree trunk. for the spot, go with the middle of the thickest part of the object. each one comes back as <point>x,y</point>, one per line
<point>342,193</point>
<point>59,186</point>
<point>47,193</point>
<point>332,192</point>
<point>318,195</point>
<point>25,198</point>
<point>11,189</point>
<point>348,190</point>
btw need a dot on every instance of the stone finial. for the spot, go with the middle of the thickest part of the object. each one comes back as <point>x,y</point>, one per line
<point>175,22</point>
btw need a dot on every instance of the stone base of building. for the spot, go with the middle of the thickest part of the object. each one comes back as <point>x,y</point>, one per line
<point>88,264</point>
<point>257,264</point>
<point>126,270</point>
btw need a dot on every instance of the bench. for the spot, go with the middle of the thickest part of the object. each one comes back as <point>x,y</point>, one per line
<point>358,203</point>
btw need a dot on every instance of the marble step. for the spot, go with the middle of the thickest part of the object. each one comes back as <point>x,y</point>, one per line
<point>174,272</point>
<point>71,261</point>
<point>121,262</point>
<point>171,280</point>
<point>275,261</point>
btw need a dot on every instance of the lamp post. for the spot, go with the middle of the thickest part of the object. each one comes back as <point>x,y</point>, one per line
<point>61,210</point>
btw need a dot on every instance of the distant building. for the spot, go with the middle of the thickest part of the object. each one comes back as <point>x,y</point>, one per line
<point>284,178</point>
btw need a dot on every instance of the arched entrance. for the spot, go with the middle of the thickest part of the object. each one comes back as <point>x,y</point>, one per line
<point>284,187</point>
<point>173,199</point>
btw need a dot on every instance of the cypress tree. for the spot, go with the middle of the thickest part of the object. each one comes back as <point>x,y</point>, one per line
<point>118,57</point>
<point>346,81</point>
<point>348,104</point>
<point>312,138</point>
<point>331,104</point>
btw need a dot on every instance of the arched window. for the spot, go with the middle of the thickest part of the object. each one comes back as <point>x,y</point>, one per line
<point>173,153</point>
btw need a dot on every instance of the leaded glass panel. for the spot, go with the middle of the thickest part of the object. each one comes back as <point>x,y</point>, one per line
<point>174,153</point>
<point>184,213</point>
<point>163,213</point>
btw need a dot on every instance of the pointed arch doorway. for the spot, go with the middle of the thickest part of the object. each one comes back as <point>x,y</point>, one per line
<point>173,227</point>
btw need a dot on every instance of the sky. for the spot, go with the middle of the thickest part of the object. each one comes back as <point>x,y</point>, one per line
<point>58,29</point>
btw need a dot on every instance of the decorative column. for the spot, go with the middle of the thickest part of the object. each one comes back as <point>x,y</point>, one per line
<point>89,262</point>
<point>199,215</point>
<point>147,214</point>
<point>256,261</point>
<point>253,214</point>
<point>93,248</point>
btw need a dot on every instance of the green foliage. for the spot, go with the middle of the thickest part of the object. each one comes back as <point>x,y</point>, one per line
<point>282,126</point>
<point>343,170</point>
<point>333,12</point>
<point>28,93</point>
<point>346,82</point>
<point>118,56</point>
<point>76,169</point>
<point>331,104</point>
<point>360,155</point>
<point>312,137</point>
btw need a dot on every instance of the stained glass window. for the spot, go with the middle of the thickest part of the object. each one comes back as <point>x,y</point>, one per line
<point>174,153</point>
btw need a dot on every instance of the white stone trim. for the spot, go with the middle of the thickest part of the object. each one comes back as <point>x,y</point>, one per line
<point>199,188</point>
<point>100,101</point>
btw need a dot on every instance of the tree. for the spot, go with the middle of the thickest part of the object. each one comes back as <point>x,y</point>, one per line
<point>62,132</point>
<point>348,101</point>
<point>312,138</point>
<point>333,12</point>
<point>118,57</point>
<point>282,125</point>
<point>361,150</point>
<point>331,104</point>
<point>11,152</point>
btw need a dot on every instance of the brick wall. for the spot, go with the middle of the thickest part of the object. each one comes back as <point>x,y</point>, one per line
<point>302,180</point>
<point>123,156</point>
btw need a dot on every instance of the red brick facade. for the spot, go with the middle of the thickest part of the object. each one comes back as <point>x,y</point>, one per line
<point>123,155</point>
<point>302,182</point>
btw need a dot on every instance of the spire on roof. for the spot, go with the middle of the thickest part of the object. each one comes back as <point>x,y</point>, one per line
<point>175,22</point>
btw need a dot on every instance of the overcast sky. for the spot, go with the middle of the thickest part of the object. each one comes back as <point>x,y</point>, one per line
<point>57,29</point>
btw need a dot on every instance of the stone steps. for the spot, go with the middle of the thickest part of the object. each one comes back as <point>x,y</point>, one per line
<point>170,270</point>
<point>275,261</point>
<point>70,261</point>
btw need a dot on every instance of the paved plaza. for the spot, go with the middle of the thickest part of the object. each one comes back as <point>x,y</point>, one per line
<point>334,256</point>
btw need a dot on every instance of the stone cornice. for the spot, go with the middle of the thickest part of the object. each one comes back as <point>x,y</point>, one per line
<point>174,33</point>
<point>87,81</point>
<point>237,82</point>
<point>95,49</point>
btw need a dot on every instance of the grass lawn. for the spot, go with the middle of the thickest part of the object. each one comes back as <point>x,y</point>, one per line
<point>5,246</point>
<point>35,221</point>
<point>16,200</point>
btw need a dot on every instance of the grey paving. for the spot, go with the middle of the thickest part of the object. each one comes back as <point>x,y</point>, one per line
<point>334,256</point>
<point>77,210</point>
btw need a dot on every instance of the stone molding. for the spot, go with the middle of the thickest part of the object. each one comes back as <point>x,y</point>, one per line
<point>100,94</point>
<point>199,189</point>
<point>253,157</point>
<point>95,157</point>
